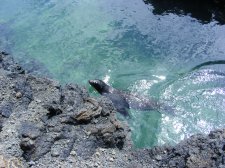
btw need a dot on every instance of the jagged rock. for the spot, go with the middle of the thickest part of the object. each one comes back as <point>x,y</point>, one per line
<point>93,110</point>
<point>53,109</point>
<point>60,129</point>
<point>27,144</point>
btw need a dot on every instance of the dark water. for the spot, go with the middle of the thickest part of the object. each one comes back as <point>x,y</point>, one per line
<point>167,56</point>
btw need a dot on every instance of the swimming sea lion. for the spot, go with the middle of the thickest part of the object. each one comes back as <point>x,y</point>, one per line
<point>122,100</point>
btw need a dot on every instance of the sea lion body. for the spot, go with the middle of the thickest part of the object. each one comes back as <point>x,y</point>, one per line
<point>122,100</point>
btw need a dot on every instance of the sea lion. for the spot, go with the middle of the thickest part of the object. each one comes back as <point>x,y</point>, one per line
<point>123,101</point>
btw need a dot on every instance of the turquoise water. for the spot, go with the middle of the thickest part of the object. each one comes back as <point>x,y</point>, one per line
<point>130,48</point>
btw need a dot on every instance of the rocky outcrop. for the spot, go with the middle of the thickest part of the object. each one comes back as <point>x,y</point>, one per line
<point>198,151</point>
<point>205,11</point>
<point>48,118</point>
<point>44,124</point>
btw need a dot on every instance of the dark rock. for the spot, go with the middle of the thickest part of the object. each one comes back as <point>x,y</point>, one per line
<point>43,146</point>
<point>6,109</point>
<point>86,148</point>
<point>205,11</point>
<point>4,53</point>
<point>93,110</point>
<point>110,134</point>
<point>1,124</point>
<point>31,163</point>
<point>72,96</point>
<point>27,144</point>
<point>18,95</point>
<point>53,109</point>
<point>106,105</point>
<point>29,130</point>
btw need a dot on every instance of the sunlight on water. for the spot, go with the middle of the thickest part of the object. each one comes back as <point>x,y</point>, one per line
<point>199,101</point>
<point>130,48</point>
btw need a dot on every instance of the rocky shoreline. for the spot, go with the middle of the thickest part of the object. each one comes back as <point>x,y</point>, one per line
<point>44,124</point>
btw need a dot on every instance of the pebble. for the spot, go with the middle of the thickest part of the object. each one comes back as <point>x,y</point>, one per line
<point>18,95</point>
<point>55,153</point>
<point>31,163</point>
<point>11,122</point>
<point>88,133</point>
<point>73,153</point>
<point>89,164</point>
<point>38,101</point>
<point>111,159</point>
<point>95,121</point>
<point>12,86</point>
<point>102,150</point>
<point>113,152</point>
<point>70,108</point>
<point>97,154</point>
<point>158,157</point>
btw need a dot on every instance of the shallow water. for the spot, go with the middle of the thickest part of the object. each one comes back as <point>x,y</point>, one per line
<point>130,48</point>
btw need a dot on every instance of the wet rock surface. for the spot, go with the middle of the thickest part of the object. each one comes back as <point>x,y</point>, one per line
<point>44,124</point>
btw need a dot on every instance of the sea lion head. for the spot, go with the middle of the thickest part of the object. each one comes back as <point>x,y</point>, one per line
<point>100,86</point>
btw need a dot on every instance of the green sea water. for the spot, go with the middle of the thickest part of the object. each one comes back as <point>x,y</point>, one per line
<point>130,48</point>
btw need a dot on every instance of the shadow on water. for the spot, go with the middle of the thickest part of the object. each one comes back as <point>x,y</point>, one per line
<point>217,62</point>
<point>208,63</point>
<point>205,11</point>
<point>140,121</point>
